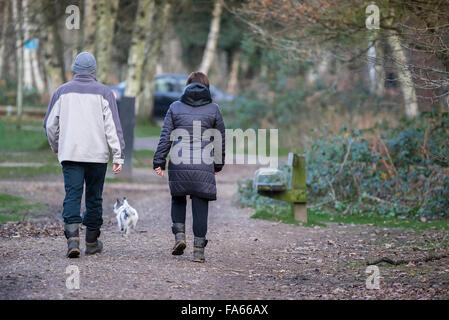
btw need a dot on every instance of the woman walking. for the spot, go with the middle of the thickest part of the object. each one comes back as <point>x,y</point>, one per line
<point>191,173</point>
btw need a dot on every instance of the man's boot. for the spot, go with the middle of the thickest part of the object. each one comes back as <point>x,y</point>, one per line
<point>198,249</point>
<point>93,245</point>
<point>179,230</point>
<point>72,234</point>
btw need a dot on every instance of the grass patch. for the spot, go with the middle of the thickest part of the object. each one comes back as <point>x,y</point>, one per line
<point>384,222</point>
<point>13,208</point>
<point>146,130</point>
<point>28,172</point>
<point>12,139</point>
<point>10,218</point>
<point>320,218</point>
<point>284,215</point>
<point>41,156</point>
<point>143,158</point>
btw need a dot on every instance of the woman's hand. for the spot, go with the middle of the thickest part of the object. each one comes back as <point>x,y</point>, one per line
<point>159,171</point>
<point>117,168</point>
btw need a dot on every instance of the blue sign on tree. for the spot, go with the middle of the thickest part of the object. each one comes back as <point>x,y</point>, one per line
<point>32,44</point>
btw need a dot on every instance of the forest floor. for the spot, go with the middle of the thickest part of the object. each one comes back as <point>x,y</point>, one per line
<point>246,258</point>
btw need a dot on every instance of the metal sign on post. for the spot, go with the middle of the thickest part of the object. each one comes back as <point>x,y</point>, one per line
<point>126,111</point>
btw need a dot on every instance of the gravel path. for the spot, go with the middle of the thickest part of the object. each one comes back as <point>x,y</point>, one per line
<point>246,258</point>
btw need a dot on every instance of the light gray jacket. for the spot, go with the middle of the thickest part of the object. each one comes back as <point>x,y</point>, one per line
<point>82,121</point>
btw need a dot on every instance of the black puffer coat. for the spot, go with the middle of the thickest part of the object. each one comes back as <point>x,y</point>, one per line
<point>195,178</point>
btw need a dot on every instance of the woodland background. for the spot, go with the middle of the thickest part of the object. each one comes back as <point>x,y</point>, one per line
<point>368,106</point>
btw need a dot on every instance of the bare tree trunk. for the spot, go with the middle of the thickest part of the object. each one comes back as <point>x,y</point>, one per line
<point>38,81</point>
<point>19,49</point>
<point>107,14</point>
<point>234,74</point>
<point>89,22</point>
<point>319,73</point>
<point>51,55</point>
<point>372,61</point>
<point>212,39</point>
<point>405,76</point>
<point>3,39</point>
<point>27,66</point>
<point>380,70</point>
<point>171,61</point>
<point>144,16</point>
<point>375,65</point>
<point>31,20</point>
<point>153,52</point>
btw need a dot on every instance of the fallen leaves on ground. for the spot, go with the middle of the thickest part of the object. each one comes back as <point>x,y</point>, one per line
<point>31,229</point>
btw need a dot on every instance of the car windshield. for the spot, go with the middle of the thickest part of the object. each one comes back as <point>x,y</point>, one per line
<point>176,84</point>
<point>168,84</point>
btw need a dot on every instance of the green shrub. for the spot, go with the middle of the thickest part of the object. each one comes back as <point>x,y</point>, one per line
<point>386,171</point>
<point>8,95</point>
<point>399,171</point>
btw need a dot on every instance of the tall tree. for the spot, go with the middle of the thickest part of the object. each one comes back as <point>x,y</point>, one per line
<point>89,22</point>
<point>52,45</point>
<point>304,29</point>
<point>136,58</point>
<point>32,74</point>
<point>37,76</point>
<point>403,67</point>
<point>153,52</point>
<point>18,22</point>
<point>5,26</point>
<point>107,14</point>
<point>32,25</point>
<point>380,70</point>
<point>27,63</point>
<point>234,73</point>
<point>405,76</point>
<point>211,46</point>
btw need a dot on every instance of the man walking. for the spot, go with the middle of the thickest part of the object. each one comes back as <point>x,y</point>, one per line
<point>81,124</point>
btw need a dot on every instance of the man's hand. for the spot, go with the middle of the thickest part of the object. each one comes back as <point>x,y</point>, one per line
<point>159,171</point>
<point>117,168</point>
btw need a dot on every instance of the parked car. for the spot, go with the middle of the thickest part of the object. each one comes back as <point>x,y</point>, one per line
<point>169,88</point>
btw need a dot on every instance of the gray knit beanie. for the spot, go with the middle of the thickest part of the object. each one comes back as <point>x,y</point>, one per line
<point>85,63</point>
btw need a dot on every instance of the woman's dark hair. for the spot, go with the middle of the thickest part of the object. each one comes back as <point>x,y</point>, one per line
<point>198,77</point>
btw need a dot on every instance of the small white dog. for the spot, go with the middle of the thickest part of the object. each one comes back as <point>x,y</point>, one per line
<point>126,215</point>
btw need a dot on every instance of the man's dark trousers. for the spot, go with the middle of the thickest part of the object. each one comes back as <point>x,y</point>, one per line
<point>75,174</point>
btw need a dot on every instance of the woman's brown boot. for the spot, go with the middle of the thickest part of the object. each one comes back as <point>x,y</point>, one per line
<point>198,249</point>
<point>93,245</point>
<point>179,230</point>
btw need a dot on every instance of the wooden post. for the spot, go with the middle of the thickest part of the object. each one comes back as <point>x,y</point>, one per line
<point>300,212</point>
<point>298,165</point>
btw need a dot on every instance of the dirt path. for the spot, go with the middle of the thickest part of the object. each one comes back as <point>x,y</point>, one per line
<point>246,258</point>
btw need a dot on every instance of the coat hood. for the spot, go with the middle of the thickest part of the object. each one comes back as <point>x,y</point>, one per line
<point>196,95</point>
